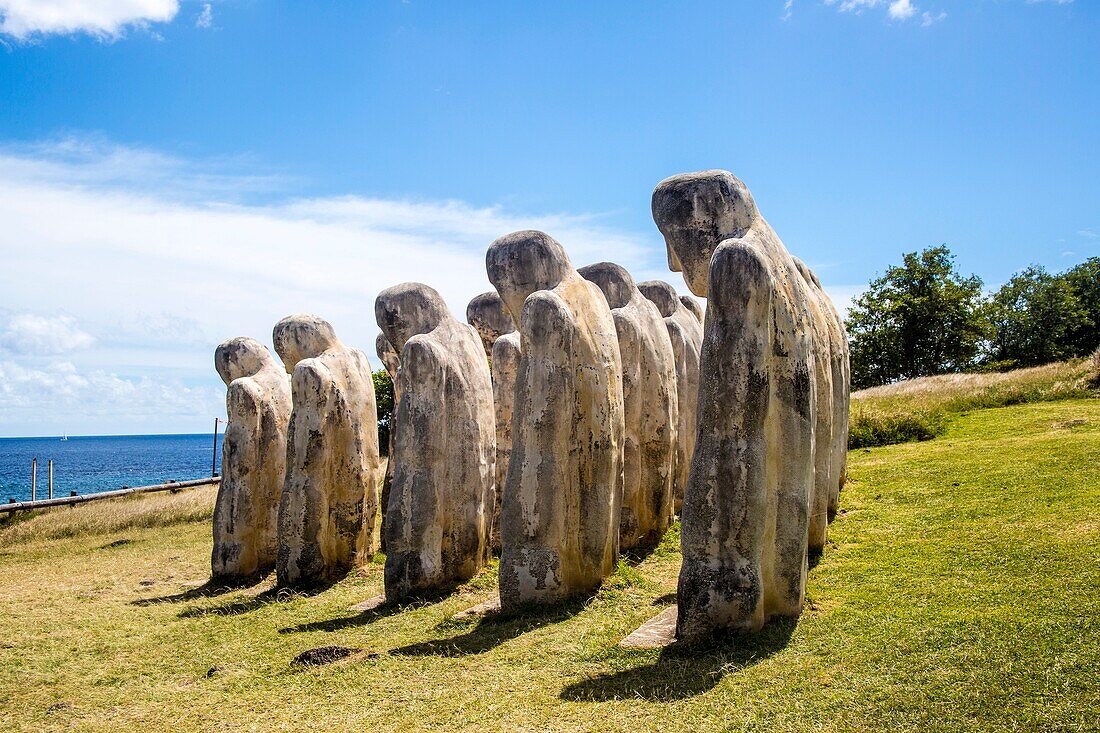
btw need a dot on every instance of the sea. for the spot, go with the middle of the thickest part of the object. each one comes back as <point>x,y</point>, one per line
<point>92,463</point>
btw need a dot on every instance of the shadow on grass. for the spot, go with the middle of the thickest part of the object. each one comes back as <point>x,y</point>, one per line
<point>360,619</point>
<point>494,629</point>
<point>251,603</point>
<point>684,670</point>
<point>211,588</point>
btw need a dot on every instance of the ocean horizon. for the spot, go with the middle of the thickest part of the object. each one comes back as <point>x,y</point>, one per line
<point>91,464</point>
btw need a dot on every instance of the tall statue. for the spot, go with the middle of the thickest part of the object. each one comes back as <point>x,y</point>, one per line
<point>257,401</point>
<point>392,363</point>
<point>561,498</point>
<point>685,331</point>
<point>650,403</point>
<point>487,314</point>
<point>841,398</point>
<point>440,506</point>
<point>330,497</point>
<point>747,507</point>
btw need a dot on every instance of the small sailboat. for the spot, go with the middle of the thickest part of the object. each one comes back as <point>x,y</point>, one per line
<point>64,437</point>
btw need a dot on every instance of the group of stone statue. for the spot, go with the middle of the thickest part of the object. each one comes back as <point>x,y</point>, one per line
<point>573,417</point>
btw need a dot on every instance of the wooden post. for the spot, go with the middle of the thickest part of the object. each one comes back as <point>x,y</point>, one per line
<point>34,479</point>
<point>50,466</point>
<point>214,458</point>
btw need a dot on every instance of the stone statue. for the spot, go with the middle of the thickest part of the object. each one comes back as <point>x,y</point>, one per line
<point>506,354</point>
<point>440,506</point>
<point>560,513</point>
<point>257,402</point>
<point>747,507</point>
<point>686,334</point>
<point>841,398</point>
<point>487,314</point>
<point>330,497</point>
<point>650,404</point>
<point>693,305</point>
<point>392,363</point>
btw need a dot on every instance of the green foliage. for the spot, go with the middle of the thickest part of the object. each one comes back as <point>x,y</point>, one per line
<point>869,428</point>
<point>919,319</point>
<point>383,395</point>
<point>1036,317</point>
<point>1084,281</point>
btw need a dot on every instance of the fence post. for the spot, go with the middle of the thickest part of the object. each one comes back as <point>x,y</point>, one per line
<point>50,466</point>
<point>214,457</point>
<point>34,479</point>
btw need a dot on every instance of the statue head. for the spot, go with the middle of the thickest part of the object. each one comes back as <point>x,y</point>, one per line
<point>487,314</point>
<point>693,305</point>
<point>615,282</point>
<point>408,309</point>
<point>387,354</point>
<point>662,295</point>
<point>697,211</point>
<point>241,357</point>
<point>302,336</point>
<point>522,263</point>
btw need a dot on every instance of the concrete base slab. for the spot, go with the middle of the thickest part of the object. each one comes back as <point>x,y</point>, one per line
<point>370,604</point>
<point>481,609</point>
<point>659,631</point>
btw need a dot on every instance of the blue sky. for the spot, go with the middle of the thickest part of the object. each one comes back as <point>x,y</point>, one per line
<point>177,173</point>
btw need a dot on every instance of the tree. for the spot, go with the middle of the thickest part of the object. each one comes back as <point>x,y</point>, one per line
<point>383,396</point>
<point>919,319</point>
<point>1035,317</point>
<point>1084,280</point>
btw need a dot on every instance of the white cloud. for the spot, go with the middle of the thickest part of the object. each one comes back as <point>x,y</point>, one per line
<point>158,260</point>
<point>35,335</point>
<point>788,9</point>
<point>901,10</point>
<point>205,17</point>
<point>928,19</point>
<point>1087,234</point>
<point>23,19</point>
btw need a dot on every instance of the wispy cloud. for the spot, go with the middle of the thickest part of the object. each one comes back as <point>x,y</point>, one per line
<point>32,334</point>
<point>205,18</point>
<point>105,19</point>
<point>1088,234</point>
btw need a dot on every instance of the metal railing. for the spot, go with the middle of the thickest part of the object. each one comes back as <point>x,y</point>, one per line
<point>75,498</point>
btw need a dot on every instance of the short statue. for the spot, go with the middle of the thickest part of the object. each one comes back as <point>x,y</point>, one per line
<point>685,331</point>
<point>392,363</point>
<point>650,404</point>
<point>506,353</point>
<point>748,503</point>
<point>487,314</point>
<point>330,497</point>
<point>560,513</point>
<point>494,324</point>
<point>441,502</point>
<point>253,459</point>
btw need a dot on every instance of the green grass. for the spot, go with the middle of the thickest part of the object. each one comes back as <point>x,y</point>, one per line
<point>959,591</point>
<point>921,409</point>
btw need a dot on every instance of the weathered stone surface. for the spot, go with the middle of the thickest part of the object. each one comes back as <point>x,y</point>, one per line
<point>253,458</point>
<point>841,383</point>
<point>330,497</point>
<point>765,356</point>
<point>487,314</point>
<point>392,363</point>
<point>694,306</point>
<point>440,506</point>
<point>685,331</point>
<point>650,406</point>
<point>506,355</point>
<point>560,513</point>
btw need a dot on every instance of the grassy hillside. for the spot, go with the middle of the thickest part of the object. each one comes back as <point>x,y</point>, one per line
<point>958,592</point>
<point>920,409</point>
